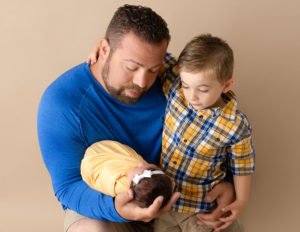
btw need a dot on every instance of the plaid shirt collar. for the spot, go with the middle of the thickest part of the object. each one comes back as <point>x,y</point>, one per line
<point>227,111</point>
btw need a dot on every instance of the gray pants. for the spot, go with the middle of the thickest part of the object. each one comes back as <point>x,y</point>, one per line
<point>72,217</point>
<point>178,222</point>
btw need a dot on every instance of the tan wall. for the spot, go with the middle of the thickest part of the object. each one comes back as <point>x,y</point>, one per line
<point>41,39</point>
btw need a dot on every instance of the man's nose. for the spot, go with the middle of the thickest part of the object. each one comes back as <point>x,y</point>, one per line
<point>140,79</point>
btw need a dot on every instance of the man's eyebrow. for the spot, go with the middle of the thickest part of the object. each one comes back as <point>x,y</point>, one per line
<point>139,64</point>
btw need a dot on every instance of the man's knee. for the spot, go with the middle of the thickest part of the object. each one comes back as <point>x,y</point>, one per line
<point>90,225</point>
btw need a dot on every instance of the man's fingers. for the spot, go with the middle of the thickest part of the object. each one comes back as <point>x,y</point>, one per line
<point>227,208</point>
<point>155,206</point>
<point>223,226</point>
<point>211,196</point>
<point>124,198</point>
<point>230,218</point>
<point>216,214</point>
<point>171,202</point>
<point>155,209</point>
<point>147,214</point>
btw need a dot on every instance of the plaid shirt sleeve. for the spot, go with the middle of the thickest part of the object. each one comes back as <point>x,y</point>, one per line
<point>241,152</point>
<point>168,72</point>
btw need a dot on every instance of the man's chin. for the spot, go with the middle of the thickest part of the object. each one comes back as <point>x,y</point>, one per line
<point>129,100</point>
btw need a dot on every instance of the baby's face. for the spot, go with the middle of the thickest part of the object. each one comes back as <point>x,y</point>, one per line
<point>139,169</point>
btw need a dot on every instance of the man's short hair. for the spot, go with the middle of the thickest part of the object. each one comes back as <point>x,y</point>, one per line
<point>142,21</point>
<point>208,54</point>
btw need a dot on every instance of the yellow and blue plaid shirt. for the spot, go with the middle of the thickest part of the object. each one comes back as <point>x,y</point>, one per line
<point>198,147</point>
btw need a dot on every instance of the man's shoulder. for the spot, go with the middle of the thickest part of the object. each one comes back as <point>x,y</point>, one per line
<point>69,87</point>
<point>74,77</point>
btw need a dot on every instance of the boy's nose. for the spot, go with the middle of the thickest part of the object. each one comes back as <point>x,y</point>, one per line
<point>193,96</point>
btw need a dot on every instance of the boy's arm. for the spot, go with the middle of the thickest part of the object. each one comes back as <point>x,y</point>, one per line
<point>168,72</point>
<point>241,159</point>
<point>242,188</point>
<point>232,211</point>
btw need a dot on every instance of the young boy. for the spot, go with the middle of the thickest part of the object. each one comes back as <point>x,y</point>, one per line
<point>204,133</point>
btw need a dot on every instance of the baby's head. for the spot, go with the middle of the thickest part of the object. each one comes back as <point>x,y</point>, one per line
<point>149,184</point>
<point>206,69</point>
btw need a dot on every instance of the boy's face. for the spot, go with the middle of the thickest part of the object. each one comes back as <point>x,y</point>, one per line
<point>202,90</point>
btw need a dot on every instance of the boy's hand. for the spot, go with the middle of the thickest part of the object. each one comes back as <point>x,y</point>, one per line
<point>231,213</point>
<point>224,194</point>
<point>93,56</point>
<point>127,209</point>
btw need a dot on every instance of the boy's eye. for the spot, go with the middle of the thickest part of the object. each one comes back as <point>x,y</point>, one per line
<point>203,90</point>
<point>153,70</point>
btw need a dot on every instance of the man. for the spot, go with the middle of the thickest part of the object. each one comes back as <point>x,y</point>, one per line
<point>118,98</point>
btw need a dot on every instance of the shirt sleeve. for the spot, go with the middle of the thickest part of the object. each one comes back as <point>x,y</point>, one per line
<point>241,152</point>
<point>168,72</point>
<point>62,148</point>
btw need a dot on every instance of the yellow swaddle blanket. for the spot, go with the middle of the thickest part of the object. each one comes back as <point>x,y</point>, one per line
<point>106,165</point>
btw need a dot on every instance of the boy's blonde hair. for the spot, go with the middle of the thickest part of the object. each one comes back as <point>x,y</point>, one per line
<point>209,54</point>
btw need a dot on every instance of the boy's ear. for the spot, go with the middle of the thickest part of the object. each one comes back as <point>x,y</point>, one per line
<point>228,85</point>
<point>104,49</point>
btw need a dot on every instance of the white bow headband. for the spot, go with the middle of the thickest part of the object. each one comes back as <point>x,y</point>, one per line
<point>145,174</point>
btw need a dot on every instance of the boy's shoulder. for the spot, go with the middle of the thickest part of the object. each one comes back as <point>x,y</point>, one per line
<point>235,120</point>
<point>241,119</point>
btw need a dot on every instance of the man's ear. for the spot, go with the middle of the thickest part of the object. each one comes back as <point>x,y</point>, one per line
<point>104,49</point>
<point>228,85</point>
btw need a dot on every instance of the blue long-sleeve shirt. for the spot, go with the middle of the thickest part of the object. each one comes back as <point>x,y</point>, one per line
<point>75,111</point>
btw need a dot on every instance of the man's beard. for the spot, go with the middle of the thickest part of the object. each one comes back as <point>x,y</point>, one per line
<point>119,94</point>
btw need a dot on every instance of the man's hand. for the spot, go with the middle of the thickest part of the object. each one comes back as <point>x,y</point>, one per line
<point>127,209</point>
<point>231,213</point>
<point>224,194</point>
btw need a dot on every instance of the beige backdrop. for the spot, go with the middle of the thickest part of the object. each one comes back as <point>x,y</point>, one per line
<point>41,39</point>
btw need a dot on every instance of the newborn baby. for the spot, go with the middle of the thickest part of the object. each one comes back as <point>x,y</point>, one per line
<point>112,168</point>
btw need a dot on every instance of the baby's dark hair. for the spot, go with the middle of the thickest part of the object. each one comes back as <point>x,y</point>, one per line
<point>148,189</point>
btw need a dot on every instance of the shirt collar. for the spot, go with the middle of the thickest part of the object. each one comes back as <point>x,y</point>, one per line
<point>227,111</point>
